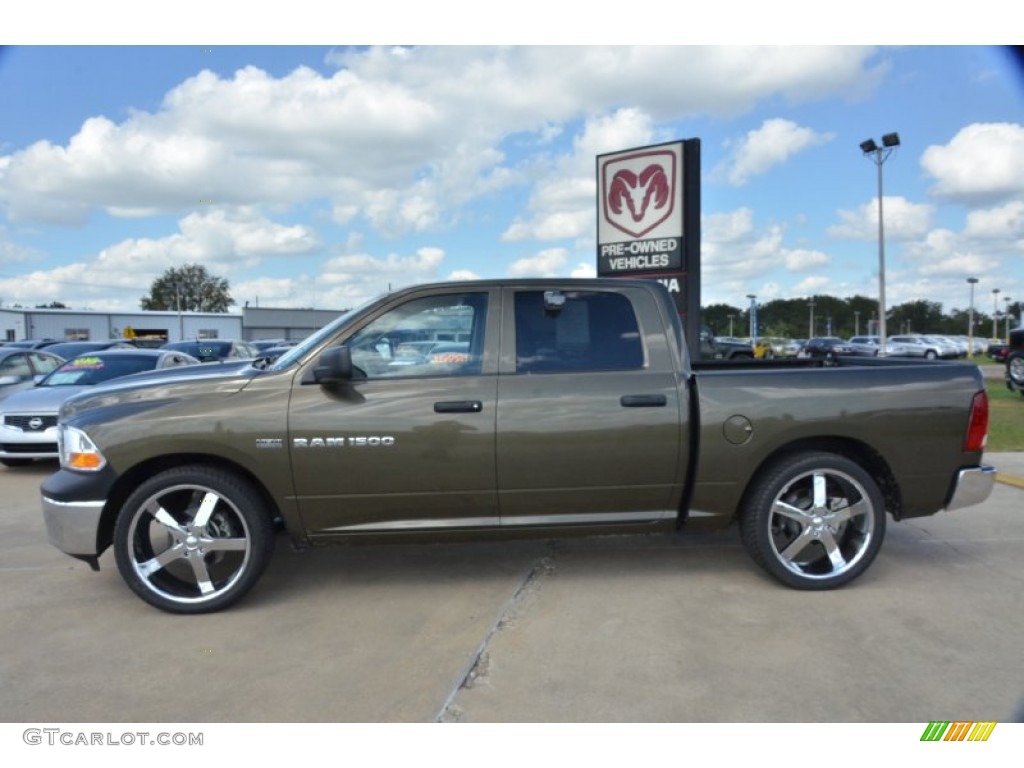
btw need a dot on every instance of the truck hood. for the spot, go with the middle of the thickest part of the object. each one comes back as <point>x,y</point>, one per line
<point>143,390</point>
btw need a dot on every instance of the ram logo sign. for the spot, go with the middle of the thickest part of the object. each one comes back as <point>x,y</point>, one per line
<point>639,191</point>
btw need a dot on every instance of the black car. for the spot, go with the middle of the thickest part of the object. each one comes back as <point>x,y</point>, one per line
<point>827,347</point>
<point>1015,361</point>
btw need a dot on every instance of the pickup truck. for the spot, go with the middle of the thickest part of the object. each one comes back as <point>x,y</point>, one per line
<point>511,409</point>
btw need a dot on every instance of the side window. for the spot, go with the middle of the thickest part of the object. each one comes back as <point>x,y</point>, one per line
<point>16,365</point>
<point>431,336</point>
<point>590,331</point>
<point>44,364</point>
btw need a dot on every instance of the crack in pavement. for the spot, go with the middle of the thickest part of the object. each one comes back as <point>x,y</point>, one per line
<point>479,664</point>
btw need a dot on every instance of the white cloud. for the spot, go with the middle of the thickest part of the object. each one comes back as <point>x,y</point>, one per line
<point>770,145</point>
<point>1003,222</point>
<point>810,286</point>
<point>253,138</point>
<point>799,260</point>
<point>904,220</point>
<point>983,162</point>
<point>221,240</point>
<point>547,263</point>
<point>354,278</point>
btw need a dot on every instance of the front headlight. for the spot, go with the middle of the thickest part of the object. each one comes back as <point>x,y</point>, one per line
<point>77,451</point>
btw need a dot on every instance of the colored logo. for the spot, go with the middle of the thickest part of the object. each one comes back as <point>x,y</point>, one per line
<point>958,731</point>
<point>639,191</point>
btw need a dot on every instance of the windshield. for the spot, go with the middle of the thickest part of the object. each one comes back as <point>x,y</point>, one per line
<point>317,337</point>
<point>93,369</point>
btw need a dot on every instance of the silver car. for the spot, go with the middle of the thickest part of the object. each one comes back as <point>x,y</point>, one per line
<point>912,345</point>
<point>28,418</point>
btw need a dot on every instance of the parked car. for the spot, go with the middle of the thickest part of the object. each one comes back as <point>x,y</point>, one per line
<point>70,349</point>
<point>210,350</point>
<point>998,351</point>
<point>31,343</point>
<point>1015,361</point>
<point>21,368</point>
<point>912,345</point>
<point>948,349</point>
<point>867,346</point>
<point>28,418</point>
<point>827,347</point>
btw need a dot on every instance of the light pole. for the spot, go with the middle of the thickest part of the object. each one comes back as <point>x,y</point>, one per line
<point>731,318</point>
<point>856,322</point>
<point>970,317</point>
<point>878,155</point>
<point>995,311</point>
<point>810,324</point>
<point>1008,316</point>
<point>753,317</point>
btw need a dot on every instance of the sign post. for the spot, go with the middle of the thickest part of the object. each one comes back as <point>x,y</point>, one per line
<point>648,221</point>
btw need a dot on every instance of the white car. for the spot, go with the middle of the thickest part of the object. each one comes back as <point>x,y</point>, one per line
<point>28,418</point>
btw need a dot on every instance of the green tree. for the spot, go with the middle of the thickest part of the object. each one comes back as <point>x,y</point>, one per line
<point>188,289</point>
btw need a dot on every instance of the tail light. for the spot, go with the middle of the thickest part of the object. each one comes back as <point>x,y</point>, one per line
<point>977,427</point>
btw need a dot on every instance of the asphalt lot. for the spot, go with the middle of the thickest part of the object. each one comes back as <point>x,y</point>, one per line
<point>605,630</point>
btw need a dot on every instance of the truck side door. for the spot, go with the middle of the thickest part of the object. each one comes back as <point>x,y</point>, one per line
<point>410,447</point>
<point>591,430</point>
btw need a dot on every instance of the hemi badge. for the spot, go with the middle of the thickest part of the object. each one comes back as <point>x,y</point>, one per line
<point>269,442</point>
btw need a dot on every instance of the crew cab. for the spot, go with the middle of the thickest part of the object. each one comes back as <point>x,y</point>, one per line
<point>565,407</point>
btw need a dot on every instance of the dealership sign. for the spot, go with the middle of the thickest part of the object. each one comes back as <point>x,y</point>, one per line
<point>648,218</point>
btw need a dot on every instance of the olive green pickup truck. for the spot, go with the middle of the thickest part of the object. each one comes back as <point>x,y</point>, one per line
<point>510,409</point>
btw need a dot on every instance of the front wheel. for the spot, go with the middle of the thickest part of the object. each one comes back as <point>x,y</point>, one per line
<point>193,539</point>
<point>814,520</point>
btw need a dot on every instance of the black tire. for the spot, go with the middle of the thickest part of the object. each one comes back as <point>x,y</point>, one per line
<point>15,462</point>
<point>193,539</point>
<point>1015,369</point>
<point>931,354</point>
<point>814,521</point>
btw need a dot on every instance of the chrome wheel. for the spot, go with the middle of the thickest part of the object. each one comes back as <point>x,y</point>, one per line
<point>192,540</point>
<point>1016,369</point>
<point>816,522</point>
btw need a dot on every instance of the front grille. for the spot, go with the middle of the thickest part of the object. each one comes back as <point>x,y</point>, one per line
<point>25,423</point>
<point>50,448</point>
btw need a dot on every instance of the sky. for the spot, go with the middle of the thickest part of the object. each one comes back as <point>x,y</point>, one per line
<point>322,175</point>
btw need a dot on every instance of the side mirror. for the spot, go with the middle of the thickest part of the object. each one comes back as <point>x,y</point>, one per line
<point>335,366</point>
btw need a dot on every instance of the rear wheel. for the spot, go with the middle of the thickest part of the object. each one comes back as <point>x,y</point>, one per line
<point>193,539</point>
<point>814,520</point>
<point>1015,370</point>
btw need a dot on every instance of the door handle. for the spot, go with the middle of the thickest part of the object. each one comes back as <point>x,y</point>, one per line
<point>458,406</point>
<point>643,401</point>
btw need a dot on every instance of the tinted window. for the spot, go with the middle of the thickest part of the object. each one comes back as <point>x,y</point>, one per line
<point>590,332</point>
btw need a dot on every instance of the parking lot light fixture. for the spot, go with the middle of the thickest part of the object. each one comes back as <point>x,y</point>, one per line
<point>995,312</point>
<point>878,155</point>
<point>970,316</point>
<point>753,316</point>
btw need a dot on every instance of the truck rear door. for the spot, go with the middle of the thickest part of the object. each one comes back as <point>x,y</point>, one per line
<point>591,426</point>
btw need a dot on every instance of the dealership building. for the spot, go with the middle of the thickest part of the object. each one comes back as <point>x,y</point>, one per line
<point>251,324</point>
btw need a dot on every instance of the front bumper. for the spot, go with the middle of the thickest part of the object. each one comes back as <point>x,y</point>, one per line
<point>972,486</point>
<point>73,504</point>
<point>72,526</point>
